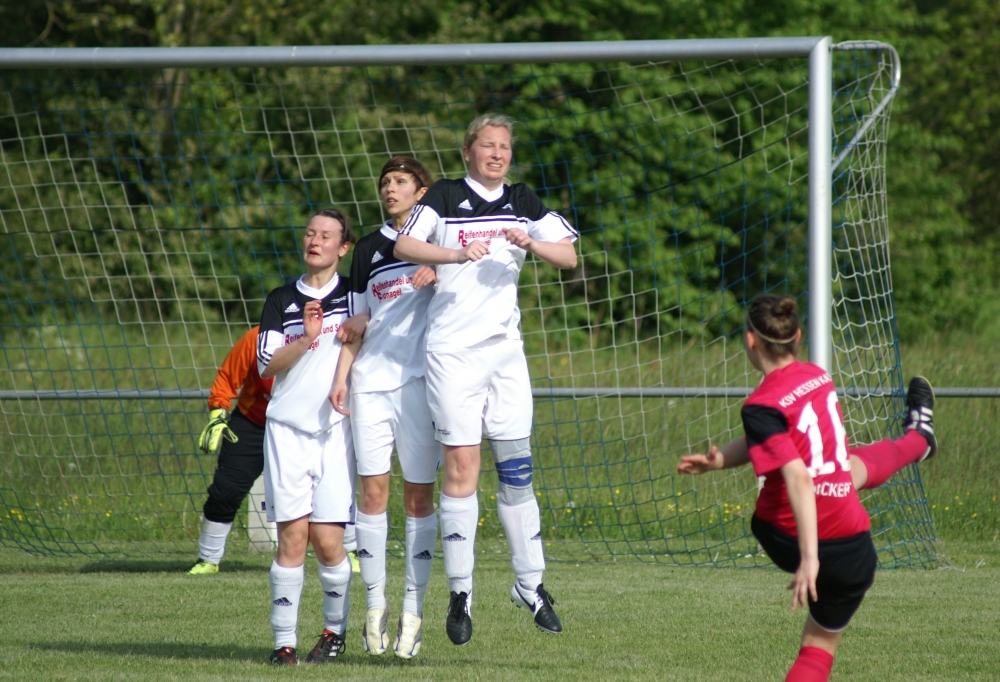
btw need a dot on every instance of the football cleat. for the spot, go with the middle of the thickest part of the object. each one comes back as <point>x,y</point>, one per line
<point>355,564</point>
<point>202,567</point>
<point>284,656</point>
<point>411,628</point>
<point>329,646</point>
<point>374,637</point>
<point>540,602</point>
<point>459,623</point>
<point>920,413</point>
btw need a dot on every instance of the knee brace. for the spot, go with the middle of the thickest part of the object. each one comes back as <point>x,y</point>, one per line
<point>513,462</point>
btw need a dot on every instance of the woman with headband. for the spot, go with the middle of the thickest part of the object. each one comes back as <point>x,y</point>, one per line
<point>809,519</point>
<point>388,406</point>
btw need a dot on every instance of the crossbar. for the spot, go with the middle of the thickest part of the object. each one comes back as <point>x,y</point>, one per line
<point>403,55</point>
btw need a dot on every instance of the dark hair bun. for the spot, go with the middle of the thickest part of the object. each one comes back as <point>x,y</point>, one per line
<point>786,306</point>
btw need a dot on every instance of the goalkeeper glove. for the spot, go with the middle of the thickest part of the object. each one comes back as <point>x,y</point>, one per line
<point>217,427</point>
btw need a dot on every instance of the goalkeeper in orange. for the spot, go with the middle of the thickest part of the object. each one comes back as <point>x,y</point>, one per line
<point>239,440</point>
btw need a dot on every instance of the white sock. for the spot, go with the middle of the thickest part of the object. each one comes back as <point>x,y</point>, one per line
<point>421,535</point>
<point>523,527</point>
<point>336,583</point>
<point>459,520</point>
<point>372,532</point>
<point>212,541</point>
<point>286,589</point>
<point>350,539</point>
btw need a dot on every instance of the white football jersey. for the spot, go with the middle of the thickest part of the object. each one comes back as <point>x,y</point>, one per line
<point>301,394</point>
<point>382,286</point>
<point>477,300</point>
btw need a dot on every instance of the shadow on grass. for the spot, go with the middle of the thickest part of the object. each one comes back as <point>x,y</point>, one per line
<point>179,566</point>
<point>187,651</point>
<point>177,650</point>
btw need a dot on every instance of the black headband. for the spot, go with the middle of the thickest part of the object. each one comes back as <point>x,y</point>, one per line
<point>402,167</point>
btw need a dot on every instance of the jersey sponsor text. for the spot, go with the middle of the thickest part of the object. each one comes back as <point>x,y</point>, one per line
<point>804,389</point>
<point>486,236</point>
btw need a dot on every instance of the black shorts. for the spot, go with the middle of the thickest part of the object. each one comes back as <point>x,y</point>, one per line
<point>846,571</point>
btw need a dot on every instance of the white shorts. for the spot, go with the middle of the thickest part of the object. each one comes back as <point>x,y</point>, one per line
<point>307,475</point>
<point>399,416</point>
<point>481,391</point>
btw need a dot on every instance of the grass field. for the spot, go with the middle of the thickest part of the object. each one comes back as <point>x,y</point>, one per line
<point>77,620</point>
<point>81,619</point>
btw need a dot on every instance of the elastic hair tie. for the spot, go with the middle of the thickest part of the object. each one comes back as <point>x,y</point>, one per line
<point>779,342</point>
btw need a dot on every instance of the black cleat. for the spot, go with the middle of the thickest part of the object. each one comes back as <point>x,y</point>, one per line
<point>920,413</point>
<point>459,623</point>
<point>284,656</point>
<point>329,646</point>
<point>540,602</point>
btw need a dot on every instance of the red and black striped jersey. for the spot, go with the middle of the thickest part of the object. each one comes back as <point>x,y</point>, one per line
<point>794,413</point>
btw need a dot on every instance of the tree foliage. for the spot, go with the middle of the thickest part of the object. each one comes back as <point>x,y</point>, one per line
<point>944,165</point>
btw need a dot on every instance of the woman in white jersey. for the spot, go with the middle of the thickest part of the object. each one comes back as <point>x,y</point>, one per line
<point>388,405</point>
<point>478,232</point>
<point>308,449</point>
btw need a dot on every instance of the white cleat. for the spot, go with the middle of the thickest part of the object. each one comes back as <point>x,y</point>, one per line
<point>411,628</point>
<point>374,637</point>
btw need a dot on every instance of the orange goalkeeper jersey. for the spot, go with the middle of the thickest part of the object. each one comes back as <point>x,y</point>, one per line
<point>239,376</point>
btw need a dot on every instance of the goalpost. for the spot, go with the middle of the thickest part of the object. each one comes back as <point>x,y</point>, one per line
<point>150,198</point>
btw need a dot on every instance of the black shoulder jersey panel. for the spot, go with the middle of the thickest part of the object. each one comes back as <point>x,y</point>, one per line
<point>283,306</point>
<point>761,422</point>
<point>374,252</point>
<point>455,199</point>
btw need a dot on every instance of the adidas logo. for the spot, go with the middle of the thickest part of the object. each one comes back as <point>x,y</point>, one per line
<point>537,536</point>
<point>505,206</point>
<point>465,206</point>
<point>454,537</point>
<point>332,593</point>
<point>365,554</point>
<point>425,555</point>
<point>293,308</point>
<point>377,257</point>
<point>282,601</point>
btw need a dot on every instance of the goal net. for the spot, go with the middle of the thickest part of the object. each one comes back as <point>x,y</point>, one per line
<point>146,213</point>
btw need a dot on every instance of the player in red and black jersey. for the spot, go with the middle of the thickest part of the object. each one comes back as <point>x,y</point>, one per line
<point>809,519</point>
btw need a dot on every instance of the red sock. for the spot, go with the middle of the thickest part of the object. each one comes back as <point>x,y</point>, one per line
<point>812,665</point>
<point>886,457</point>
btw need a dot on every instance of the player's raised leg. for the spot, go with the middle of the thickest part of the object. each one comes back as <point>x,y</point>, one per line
<point>507,423</point>
<point>519,515</point>
<point>459,511</point>
<point>873,465</point>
